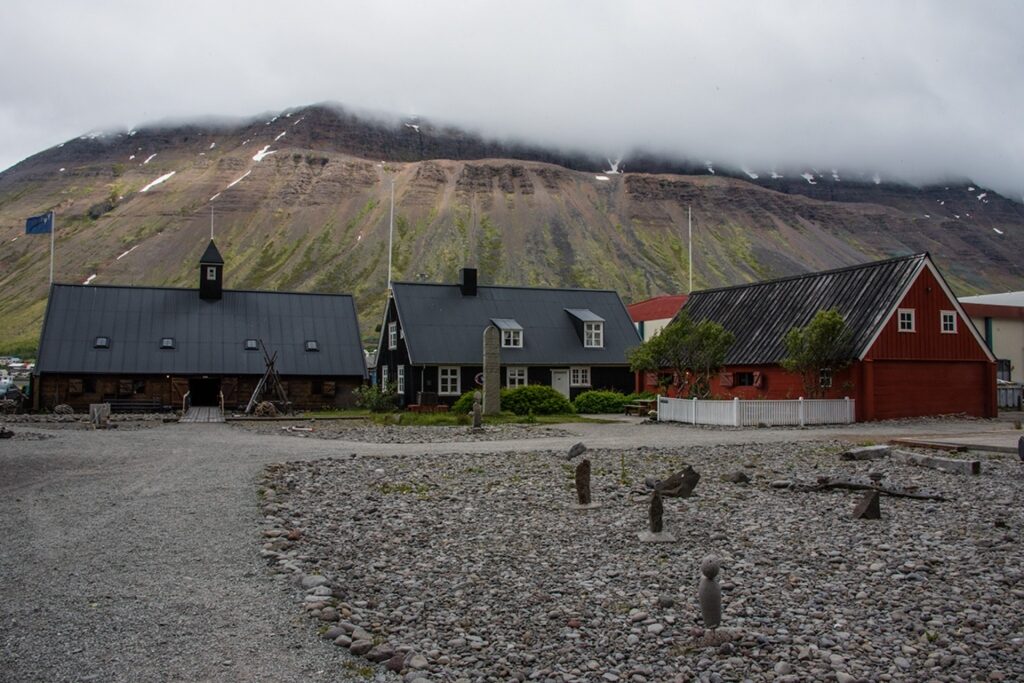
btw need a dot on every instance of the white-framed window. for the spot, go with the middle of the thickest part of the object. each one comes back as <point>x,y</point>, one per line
<point>101,343</point>
<point>593,335</point>
<point>448,381</point>
<point>948,322</point>
<point>825,378</point>
<point>392,335</point>
<point>515,377</point>
<point>167,343</point>
<point>211,273</point>
<point>579,376</point>
<point>401,379</point>
<point>906,320</point>
<point>312,345</point>
<point>251,345</point>
<point>512,339</point>
<point>384,376</point>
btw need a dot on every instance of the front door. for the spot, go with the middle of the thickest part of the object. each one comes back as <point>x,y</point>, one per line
<point>560,382</point>
<point>204,391</point>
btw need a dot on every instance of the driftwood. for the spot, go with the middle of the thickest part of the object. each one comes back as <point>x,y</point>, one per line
<point>865,453</point>
<point>865,484</point>
<point>951,465</point>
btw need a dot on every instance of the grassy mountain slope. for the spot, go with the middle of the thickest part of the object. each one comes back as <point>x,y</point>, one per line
<point>311,213</point>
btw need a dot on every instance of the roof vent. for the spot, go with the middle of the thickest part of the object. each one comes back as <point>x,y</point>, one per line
<point>467,282</point>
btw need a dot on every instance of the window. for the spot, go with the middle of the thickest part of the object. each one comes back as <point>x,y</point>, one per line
<point>89,385</point>
<point>384,376</point>
<point>906,317</point>
<point>211,273</point>
<point>448,381</point>
<point>167,343</point>
<point>515,377</point>
<point>743,379</point>
<point>948,322</point>
<point>316,386</point>
<point>825,378</point>
<point>512,339</point>
<point>139,386</point>
<point>579,376</point>
<point>392,335</point>
<point>311,345</point>
<point>101,343</point>
<point>1004,369</point>
<point>593,336</point>
<point>251,345</point>
<point>401,379</point>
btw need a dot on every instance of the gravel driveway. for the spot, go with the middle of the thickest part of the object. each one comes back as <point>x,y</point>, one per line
<point>133,555</point>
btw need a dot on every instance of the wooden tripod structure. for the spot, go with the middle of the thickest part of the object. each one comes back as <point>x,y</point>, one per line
<point>269,385</point>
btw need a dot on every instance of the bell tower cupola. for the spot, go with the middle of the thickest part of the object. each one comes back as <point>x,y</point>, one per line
<point>211,274</point>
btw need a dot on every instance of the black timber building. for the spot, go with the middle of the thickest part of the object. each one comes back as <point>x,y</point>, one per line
<point>431,340</point>
<point>155,344</point>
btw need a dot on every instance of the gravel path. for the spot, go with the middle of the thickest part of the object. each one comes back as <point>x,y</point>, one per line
<point>131,555</point>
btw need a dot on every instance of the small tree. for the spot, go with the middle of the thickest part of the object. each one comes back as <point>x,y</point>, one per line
<point>825,343</point>
<point>693,351</point>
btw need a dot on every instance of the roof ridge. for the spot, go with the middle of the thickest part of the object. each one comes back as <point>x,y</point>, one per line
<point>545,289</point>
<point>193,289</point>
<point>818,273</point>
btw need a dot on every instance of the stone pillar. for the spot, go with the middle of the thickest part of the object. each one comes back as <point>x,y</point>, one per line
<point>492,371</point>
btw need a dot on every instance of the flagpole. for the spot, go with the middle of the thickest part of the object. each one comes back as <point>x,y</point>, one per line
<point>689,241</point>
<point>53,233</point>
<point>391,231</point>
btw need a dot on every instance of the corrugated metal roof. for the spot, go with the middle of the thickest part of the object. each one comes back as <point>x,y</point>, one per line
<point>658,308</point>
<point>443,326</point>
<point>209,336</point>
<point>760,314</point>
<point>584,315</point>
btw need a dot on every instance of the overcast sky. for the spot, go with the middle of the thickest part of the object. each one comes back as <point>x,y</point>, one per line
<point>917,90</point>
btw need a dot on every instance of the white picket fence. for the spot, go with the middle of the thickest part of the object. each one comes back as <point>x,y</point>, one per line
<point>737,413</point>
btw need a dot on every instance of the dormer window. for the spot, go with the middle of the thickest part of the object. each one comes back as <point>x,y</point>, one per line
<point>167,343</point>
<point>511,332</point>
<point>593,335</point>
<point>101,343</point>
<point>251,345</point>
<point>211,273</point>
<point>311,345</point>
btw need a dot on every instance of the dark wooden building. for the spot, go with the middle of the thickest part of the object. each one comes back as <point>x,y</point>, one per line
<point>571,339</point>
<point>152,345</point>
<point>914,350</point>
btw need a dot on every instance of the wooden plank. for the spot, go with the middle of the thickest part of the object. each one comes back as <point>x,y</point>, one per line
<point>951,465</point>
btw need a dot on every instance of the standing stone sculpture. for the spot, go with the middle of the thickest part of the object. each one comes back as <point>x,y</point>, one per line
<point>656,514</point>
<point>709,593</point>
<point>492,370</point>
<point>583,482</point>
<point>678,485</point>
<point>577,449</point>
<point>1020,448</point>
<point>477,412</point>
<point>867,507</point>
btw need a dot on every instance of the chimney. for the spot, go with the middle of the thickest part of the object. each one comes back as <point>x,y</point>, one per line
<point>467,282</point>
<point>211,274</point>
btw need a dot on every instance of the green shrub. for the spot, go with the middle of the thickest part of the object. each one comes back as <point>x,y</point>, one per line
<point>375,398</point>
<point>600,401</point>
<point>535,399</point>
<point>641,395</point>
<point>464,404</point>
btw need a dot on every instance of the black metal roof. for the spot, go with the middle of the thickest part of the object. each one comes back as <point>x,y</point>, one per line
<point>443,326</point>
<point>760,314</point>
<point>211,255</point>
<point>209,336</point>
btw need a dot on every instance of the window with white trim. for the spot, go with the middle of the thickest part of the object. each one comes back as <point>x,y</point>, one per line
<point>251,345</point>
<point>167,343</point>
<point>401,379</point>
<point>448,381</point>
<point>384,377</point>
<point>825,378</point>
<point>312,345</point>
<point>392,335</point>
<point>579,376</point>
<point>211,273</point>
<point>515,377</point>
<point>906,319</point>
<point>512,339</point>
<point>101,343</point>
<point>948,322</point>
<point>593,335</point>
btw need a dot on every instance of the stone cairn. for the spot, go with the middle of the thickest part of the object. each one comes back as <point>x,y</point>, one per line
<point>656,514</point>
<point>477,411</point>
<point>709,594</point>
<point>678,485</point>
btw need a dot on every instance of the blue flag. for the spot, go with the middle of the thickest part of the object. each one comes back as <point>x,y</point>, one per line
<point>39,225</point>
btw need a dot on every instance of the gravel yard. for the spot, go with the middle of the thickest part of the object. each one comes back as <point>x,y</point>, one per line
<point>366,431</point>
<point>137,555</point>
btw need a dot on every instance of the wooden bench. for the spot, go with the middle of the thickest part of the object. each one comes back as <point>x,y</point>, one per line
<point>640,408</point>
<point>135,405</point>
<point>424,408</point>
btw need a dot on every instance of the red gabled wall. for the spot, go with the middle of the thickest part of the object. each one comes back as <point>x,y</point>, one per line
<point>928,299</point>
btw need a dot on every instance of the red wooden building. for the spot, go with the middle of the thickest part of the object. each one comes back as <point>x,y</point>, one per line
<point>915,351</point>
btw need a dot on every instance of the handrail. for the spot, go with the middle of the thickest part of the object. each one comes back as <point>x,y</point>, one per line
<point>186,403</point>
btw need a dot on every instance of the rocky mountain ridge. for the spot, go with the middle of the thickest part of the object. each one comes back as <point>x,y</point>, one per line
<point>301,201</point>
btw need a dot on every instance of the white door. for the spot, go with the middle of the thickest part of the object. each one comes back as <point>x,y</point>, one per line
<point>560,382</point>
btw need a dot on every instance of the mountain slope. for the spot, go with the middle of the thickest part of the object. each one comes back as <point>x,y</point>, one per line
<point>301,202</point>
